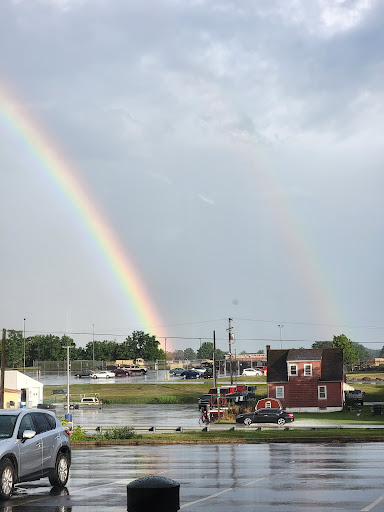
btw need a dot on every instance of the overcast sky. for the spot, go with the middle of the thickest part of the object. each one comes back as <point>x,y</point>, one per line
<point>234,147</point>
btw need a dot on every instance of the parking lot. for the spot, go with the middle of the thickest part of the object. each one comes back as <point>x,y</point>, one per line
<point>221,478</point>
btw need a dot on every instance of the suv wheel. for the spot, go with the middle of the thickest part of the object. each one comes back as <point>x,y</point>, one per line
<point>59,476</point>
<point>7,479</point>
<point>281,421</point>
<point>247,421</point>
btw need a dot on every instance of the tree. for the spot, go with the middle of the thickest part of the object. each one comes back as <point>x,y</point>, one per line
<point>322,344</point>
<point>189,354</point>
<point>362,351</point>
<point>381,353</point>
<point>14,349</point>
<point>46,348</point>
<point>220,354</point>
<point>350,353</point>
<point>205,351</point>
<point>178,355</point>
<point>142,345</point>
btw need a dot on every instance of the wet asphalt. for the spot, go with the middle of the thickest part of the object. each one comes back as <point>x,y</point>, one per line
<point>221,478</point>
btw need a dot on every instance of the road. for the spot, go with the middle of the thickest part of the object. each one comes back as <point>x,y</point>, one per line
<point>221,478</point>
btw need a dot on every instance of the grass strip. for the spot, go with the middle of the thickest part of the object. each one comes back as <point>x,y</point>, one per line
<point>249,437</point>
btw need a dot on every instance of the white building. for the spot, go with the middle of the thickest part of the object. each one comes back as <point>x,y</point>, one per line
<point>21,390</point>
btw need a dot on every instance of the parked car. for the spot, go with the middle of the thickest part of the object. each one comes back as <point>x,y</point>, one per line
<point>199,369</point>
<point>278,416</point>
<point>204,400</point>
<point>121,372</point>
<point>136,369</point>
<point>354,397</point>
<point>83,373</point>
<point>33,445</point>
<point>191,374</point>
<point>176,371</point>
<point>251,372</point>
<point>90,400</point>
<point>208,374</point>
<point>102,374</point>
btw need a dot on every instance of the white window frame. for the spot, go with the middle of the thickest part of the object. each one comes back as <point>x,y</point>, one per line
<point>296,370</point>
<point>322,390</point>
<point>279,391</point>
<point>307,366</point>
<point>268,405</point>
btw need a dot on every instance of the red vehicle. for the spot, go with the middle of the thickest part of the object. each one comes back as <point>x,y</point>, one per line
<point>121,372</point>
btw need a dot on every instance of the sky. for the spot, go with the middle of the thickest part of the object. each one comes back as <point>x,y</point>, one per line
<point>167,165</point>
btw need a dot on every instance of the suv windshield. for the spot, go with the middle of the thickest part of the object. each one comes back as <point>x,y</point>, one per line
<point>7,424</point>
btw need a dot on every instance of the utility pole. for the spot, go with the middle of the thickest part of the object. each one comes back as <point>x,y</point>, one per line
<point>281,339</point>
<point>230,338</point>
<point>93,345</point>
<point>214,359</point>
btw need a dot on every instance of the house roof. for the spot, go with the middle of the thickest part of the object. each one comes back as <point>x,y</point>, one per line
<point>304,354</point>
<point>332,367</point>
<point>332,363</point>
<point>277,366</point>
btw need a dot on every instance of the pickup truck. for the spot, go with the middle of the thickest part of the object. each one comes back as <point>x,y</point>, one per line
<point>354,397</point>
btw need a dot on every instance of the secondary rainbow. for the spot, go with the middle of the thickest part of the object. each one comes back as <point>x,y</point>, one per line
<point>62,173</point>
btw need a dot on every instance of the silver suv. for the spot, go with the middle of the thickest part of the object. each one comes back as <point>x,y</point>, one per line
<point>33,445</point>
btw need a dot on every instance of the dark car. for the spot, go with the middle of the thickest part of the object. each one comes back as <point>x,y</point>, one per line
<point>121,372</point>
<point>278,416</point>
<point>205,400</point>
<point>83,373</point>
<point>208,374</point>
<point>176,371</point>
<point>191,374</point>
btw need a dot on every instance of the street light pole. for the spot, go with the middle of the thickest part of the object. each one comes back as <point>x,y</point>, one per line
<point>68,368</point>
<point>281,339</point>
<point>93,345</point>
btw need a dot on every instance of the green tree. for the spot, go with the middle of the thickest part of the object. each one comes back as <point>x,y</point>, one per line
<point>14,349</point>
<point>362,351</point>
<point>350,353</point>
<point>322,344</point>
<point>220,354</point>
<point>189,354</point>
<point>142,345</point>
<point>381,353</point>
<point>205,351</point>
<point>47,348</point>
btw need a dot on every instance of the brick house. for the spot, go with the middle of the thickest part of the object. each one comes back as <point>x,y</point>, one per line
<point>306,380</point>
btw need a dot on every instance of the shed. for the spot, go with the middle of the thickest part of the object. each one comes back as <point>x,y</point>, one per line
<point>22,390</point>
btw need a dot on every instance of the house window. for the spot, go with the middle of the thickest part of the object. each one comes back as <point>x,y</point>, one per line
<point>268,405</point>
<point>307,370</point>
<point>279,391</point>
<point>322,390</point>
<point>293,370</point>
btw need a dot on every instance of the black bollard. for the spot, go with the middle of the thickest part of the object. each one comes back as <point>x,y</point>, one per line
<point>153,493</point>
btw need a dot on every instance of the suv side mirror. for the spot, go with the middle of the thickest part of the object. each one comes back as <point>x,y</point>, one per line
<point>28,434</point>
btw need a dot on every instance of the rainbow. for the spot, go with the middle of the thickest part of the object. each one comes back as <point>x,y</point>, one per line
<point>57,168</point>
<point>310,272</point>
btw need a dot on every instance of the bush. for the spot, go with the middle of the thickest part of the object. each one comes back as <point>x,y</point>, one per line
<point>119,433</point>
<point>78,434</point>
<point>165,400</point>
